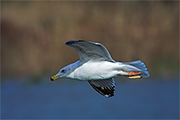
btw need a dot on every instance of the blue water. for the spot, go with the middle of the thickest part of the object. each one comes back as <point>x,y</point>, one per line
<point>144,99</point>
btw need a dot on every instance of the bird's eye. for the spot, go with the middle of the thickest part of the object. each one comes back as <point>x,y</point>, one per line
<point>62,71</point>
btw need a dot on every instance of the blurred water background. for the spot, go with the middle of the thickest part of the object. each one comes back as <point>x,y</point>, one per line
<point>32,50</point>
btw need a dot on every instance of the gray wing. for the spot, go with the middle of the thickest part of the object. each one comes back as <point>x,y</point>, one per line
<point>104,87</point>
<point>90,50</point>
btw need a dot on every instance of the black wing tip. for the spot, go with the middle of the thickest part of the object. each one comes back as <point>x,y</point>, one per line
<point>105,91</point>
<point>73,41</point>
<point>110,94</point>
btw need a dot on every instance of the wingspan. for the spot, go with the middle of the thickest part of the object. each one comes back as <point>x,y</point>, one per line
<point>104,87</point>
<point>90,50</point>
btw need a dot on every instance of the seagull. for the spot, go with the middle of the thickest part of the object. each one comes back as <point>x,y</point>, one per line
<point>98,68</point>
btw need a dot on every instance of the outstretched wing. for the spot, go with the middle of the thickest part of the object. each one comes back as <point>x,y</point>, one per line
<point>104,87</point>
<point>90,50</point>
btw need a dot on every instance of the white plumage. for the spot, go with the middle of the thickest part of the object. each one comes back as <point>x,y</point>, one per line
<point>98,68</point>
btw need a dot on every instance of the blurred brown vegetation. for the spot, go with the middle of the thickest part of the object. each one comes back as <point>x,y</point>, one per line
<point>33,34</point>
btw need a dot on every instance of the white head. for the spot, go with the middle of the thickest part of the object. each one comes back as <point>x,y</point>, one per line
<point>64,72</point>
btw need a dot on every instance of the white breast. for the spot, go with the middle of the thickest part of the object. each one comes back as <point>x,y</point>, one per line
<point>95,70</point>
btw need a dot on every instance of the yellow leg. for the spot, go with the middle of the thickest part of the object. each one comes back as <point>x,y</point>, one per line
<point>133,74</point>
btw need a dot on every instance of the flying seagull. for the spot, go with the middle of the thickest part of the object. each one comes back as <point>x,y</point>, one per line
<point>98,68</point>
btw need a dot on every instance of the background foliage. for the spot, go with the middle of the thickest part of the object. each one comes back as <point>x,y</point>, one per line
<point>32,49</point>
<point>33,34</point>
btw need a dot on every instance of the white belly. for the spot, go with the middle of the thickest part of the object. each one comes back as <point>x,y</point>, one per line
<point>96,70</point>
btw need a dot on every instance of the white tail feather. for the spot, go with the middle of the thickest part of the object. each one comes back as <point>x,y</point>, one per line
<point>136,66</point>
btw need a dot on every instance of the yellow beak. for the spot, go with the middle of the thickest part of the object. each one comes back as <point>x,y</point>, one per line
<point>54,77</point>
